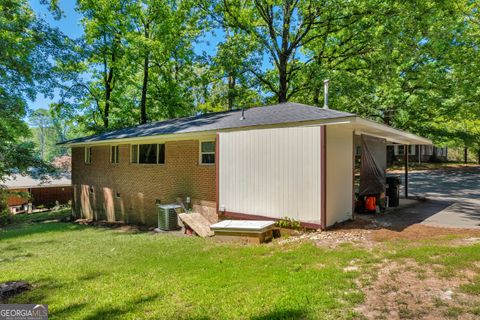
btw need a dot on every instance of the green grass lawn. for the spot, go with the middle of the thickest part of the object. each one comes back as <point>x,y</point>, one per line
<point>97,273</point>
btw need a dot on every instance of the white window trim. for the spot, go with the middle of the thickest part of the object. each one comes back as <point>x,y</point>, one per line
<point>138,154</point>
<point>111,154</point>
<point>87,151</point>
<point>200,153</point>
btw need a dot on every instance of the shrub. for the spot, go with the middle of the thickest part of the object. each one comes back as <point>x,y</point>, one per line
<point>5,215</point>
<point>288,223</point>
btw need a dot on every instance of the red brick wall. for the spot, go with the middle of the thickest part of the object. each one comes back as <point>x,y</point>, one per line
<point>48,196</point>
<point>138,185</point>
<point>15,200</point>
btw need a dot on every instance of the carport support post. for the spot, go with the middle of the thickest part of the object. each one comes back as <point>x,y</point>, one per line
<point>405,160</point>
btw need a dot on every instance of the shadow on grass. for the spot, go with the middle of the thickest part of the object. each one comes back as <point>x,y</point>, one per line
<point>22,230</point>
<point>130,306</point>
<point>282,315</point>
<point>91,276</point>
<point>69,310</point>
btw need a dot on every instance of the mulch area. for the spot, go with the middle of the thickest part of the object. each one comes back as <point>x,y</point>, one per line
<point>421,232</point>
<point>117,225</point>
<point>412,232</point>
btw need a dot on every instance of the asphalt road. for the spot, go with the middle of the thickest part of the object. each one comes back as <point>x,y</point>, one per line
<point>453,199</point>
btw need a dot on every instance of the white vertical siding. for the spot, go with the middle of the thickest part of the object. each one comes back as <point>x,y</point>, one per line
<point>339,173</point>
<point>271,172</point>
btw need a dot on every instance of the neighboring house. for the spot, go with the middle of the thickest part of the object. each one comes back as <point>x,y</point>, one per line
<point>286,160</point>
<point>422,153</point>
<point>24,189</point>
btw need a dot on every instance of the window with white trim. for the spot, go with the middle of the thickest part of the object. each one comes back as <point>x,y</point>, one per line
<point>207,152</point>
<point>114,154</point>
<point>148,153</point>
<point>88,155</point>
<point>399,150</point>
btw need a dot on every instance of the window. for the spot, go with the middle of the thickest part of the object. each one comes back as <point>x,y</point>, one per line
<point>400,149</point>
<point>134,153</point>
<point>148,153</point>
<point>412,150</point>
<point>88,155</point>
<point>207,152</point>
<point>114,154</point>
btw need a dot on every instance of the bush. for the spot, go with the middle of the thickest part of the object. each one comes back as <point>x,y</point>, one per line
<point>5,215</point>
<point>288,223</point>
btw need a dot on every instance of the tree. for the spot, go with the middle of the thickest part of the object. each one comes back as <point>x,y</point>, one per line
<point>40,119</point>
<point>229,83</point>
<point>27,48</point>
<point>160,49</point>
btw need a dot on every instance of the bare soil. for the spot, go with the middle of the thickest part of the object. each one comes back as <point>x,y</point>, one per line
<point>404,289</point>
<point>409,291</point>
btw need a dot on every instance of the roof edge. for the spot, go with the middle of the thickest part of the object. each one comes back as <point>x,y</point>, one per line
<point>187,135</point>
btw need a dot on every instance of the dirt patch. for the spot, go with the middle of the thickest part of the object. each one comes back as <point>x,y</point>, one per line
<point>380,232</point>
<point>370,234</point>
<point>333,239</point>
<point>421,232</point>
<point>117,225</point>
<point>408,291</point>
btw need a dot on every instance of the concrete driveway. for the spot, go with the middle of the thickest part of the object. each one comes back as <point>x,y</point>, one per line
<point>453,199</point>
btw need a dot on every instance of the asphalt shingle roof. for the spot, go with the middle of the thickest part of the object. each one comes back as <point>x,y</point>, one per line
<point>273,114</point>
<point>17,181</point>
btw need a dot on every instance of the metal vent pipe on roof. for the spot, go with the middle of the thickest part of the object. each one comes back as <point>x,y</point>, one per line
<point>325,93</point>
<point>243,114</point>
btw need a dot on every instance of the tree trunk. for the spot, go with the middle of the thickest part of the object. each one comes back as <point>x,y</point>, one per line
<point>465,155</point>
<point>231,91</point>
<point>106,112</point>
<point>108,82</point>
<point>143,102</point>
<point>42,143</point>
<point>146,62</point>
<point>316,96</point>
<point>282,80</point>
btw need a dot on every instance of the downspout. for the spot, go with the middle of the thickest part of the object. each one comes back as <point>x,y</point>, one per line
<point>217,170</point>
<point>323,163</point>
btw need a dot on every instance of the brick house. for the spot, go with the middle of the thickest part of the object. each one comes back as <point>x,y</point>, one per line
<point>24,189</point>
<point>265,162</point>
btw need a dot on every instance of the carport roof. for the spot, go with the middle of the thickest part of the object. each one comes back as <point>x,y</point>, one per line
<point>18,181</point>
